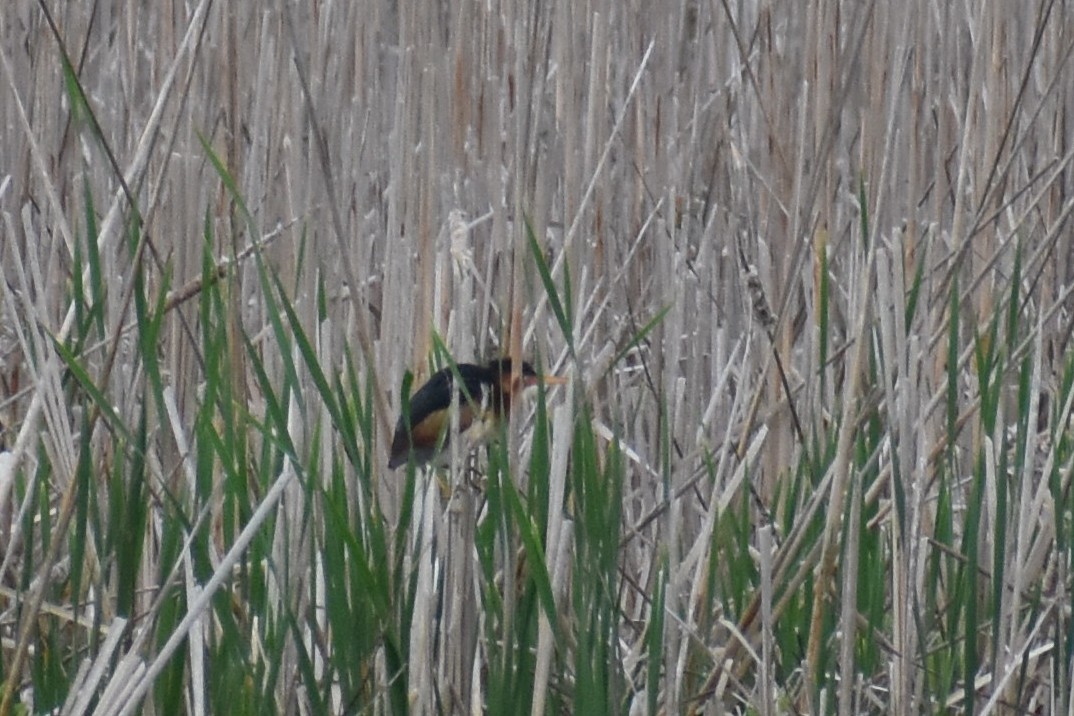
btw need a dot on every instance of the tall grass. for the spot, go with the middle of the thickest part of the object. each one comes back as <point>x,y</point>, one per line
<point>805,265</point>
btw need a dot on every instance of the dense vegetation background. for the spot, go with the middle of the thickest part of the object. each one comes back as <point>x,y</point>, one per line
<point>807,265</point>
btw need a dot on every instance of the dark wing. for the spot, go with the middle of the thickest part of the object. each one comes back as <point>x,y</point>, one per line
<point>420,429</point>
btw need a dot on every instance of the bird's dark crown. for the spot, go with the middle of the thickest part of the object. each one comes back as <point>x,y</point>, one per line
<point>501,368</point>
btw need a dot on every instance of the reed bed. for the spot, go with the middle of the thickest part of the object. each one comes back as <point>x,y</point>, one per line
<point>807,266</point>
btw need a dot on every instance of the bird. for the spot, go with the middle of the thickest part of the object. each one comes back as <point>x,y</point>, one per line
<point>483,394</point>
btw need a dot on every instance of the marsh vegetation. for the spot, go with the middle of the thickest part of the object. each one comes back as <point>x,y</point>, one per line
<point>808,268</point>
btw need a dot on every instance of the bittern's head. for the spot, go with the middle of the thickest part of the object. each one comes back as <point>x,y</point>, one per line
<point>501,372</point>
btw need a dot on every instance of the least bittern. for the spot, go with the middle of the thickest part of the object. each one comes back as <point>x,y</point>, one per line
<point>483,395</point>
